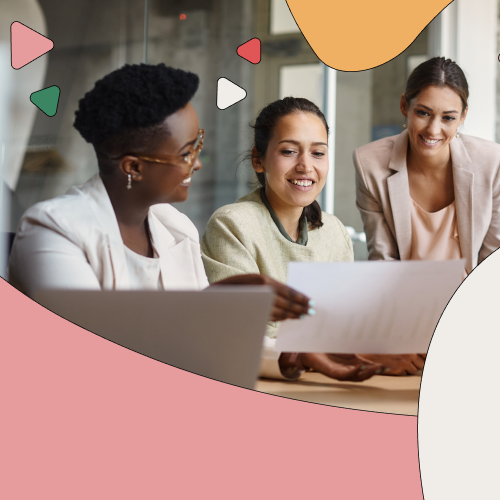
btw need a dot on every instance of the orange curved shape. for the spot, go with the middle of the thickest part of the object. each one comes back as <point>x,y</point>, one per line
<point>354,35</point>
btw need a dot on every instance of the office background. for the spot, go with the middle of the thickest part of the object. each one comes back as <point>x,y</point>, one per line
<point>42,157</point>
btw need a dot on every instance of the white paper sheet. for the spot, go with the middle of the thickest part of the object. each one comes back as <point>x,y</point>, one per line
<point>369,306</point>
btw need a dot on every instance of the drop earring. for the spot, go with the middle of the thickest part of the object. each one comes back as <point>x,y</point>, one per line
<point>404,124</point>
<point>129,185</point>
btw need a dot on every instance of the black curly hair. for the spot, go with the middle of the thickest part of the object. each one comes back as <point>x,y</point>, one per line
<point>125,109</point>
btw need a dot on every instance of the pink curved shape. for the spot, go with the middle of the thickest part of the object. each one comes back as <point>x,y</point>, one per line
<point>27,45</point>
<point>84,418</point>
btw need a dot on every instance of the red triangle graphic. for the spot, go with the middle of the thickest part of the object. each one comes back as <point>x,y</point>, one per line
<point>26,45</point>
<point>250,50</point>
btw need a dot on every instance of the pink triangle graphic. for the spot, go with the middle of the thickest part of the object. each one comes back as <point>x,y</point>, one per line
<point>250,50</point>
<point>26,45</point>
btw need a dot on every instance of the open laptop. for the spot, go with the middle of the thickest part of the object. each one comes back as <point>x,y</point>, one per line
<point>217,333</point>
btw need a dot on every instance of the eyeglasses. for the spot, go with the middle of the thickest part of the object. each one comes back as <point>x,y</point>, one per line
<point>185,160</point>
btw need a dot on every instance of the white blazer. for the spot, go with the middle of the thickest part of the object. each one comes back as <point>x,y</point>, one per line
<point>74,242</point>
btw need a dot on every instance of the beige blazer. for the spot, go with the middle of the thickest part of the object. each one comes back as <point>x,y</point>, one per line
<point>73,241</point>
<point>383,197</point>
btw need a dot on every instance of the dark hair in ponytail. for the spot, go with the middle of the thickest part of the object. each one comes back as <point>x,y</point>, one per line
<point>264,126</point>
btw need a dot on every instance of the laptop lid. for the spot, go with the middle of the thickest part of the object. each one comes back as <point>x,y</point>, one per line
<point>217,333</point>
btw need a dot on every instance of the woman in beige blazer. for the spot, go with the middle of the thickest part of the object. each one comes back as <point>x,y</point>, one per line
<point>431,192</point>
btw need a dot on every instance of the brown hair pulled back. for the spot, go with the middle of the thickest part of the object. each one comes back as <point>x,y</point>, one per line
<point>263,130</point>
<point>440,72</point>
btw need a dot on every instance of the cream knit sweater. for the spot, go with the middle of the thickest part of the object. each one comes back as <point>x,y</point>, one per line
<point>242,238</point>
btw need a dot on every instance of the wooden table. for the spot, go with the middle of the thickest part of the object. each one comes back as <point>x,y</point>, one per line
<point>380,393</point>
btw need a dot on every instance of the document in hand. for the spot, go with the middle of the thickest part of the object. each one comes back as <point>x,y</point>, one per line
<point>375,307</point>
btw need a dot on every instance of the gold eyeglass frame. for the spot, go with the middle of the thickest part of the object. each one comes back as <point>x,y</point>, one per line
<point>179,160</point>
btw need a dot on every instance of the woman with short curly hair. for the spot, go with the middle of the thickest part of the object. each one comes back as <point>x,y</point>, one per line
<point>118,230</point>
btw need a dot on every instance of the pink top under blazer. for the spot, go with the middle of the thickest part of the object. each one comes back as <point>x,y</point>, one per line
<point>383,197</point>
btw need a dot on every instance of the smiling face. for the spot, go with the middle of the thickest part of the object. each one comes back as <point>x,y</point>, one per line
<point>161,182</point>
<point>295,164</point>
<point>433,118</point>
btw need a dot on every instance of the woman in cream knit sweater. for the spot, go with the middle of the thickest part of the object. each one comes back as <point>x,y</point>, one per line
<point>282,222</point>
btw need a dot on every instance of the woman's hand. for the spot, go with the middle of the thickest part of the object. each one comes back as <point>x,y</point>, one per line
<point>398,364</point>
<point>345,367</point>
<point>288,303</point>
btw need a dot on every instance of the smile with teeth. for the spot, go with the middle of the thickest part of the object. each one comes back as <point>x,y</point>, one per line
<point>430,141</point>
<point>186,182</point>
<point>304,182</point>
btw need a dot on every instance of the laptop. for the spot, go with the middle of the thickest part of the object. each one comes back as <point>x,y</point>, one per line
<point>216,333</point>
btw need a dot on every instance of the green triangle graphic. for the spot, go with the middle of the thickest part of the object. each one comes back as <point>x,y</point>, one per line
<point>47,99</point>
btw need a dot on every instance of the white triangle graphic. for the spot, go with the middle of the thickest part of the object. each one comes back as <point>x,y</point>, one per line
<point>228,93</point>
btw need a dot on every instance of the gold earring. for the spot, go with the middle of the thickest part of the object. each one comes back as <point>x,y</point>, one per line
<point>129,185</point>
